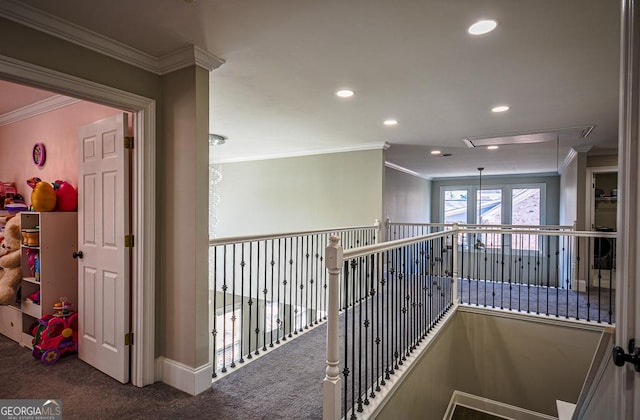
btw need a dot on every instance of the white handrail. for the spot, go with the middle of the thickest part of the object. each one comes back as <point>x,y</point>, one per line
<point>252,238</point>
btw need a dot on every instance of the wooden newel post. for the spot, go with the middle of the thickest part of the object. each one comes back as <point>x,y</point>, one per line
<point>331,387</point>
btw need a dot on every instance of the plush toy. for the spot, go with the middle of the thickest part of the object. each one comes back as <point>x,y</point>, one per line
<point>10,262</point>
<point>66,196</point>
<point>43,197</point>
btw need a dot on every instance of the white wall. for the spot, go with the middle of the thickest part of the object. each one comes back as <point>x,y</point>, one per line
<point>407,198</point>
<point>301,193</point>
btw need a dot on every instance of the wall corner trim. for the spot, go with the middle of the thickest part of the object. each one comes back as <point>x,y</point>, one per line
<point>40,107</point>
<point>185,378</point>
<point>188,56</point>
<point>405,170</point>
<point>39,20</point>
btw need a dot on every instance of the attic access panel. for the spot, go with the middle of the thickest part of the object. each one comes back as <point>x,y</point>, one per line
<point>563,134</point>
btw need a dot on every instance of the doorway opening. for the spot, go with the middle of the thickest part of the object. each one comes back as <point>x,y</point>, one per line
<point>143,194</point>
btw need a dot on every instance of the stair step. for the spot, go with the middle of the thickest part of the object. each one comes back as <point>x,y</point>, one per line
<point>565,410</point>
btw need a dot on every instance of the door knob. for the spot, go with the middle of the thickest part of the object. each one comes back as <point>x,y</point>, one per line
<point>77,254</point>
<point>633,357</point>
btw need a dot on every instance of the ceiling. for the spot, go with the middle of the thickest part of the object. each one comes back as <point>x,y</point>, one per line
<point>555,63</point>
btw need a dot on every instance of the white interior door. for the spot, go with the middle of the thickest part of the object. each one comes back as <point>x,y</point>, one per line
<point>103,269</point>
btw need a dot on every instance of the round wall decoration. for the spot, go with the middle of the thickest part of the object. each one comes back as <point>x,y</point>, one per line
<point>39,154</point>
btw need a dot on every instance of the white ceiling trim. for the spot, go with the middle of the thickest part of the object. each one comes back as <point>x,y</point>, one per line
<point>369,146</point>
<point>186,57</point>
<point>76,34</point>
<point>40,107</point>
<point>405,170</point>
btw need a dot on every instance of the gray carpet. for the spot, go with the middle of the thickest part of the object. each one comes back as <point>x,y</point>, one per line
<point>291,387</point>
<point>286,383</point>
<point>596,306</point>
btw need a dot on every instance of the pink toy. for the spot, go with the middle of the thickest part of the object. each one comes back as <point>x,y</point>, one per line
<point>66,195</point>
<point>56,334</point>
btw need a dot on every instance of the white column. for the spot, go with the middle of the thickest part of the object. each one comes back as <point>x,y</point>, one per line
<point>332,385</point>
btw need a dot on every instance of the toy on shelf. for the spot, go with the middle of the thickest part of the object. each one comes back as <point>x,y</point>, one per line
<point>66,196</point>
<point>56,334</point>
<point>43,197</point>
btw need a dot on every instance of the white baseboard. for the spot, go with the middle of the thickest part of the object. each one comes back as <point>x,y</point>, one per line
<point>185,378</point>
<point>495,408</point>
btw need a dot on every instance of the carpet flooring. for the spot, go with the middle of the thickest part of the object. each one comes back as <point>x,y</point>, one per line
<point>596,306</point>
<point>277,386</point>
<point>285,383</point>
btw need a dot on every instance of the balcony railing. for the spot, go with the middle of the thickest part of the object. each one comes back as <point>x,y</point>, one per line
<point>399,290</point>
<point>385,298</point>
<point>266,289</point>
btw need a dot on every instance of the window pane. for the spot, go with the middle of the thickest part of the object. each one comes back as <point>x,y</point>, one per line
<point>455,206</point>
<point>525,206</point>
<point>489,204</point>
<point>525,210</point>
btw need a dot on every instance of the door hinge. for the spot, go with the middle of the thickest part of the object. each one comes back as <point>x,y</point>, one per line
<point>128,241</point>
<point>128,142</point>
<point>128,339</point>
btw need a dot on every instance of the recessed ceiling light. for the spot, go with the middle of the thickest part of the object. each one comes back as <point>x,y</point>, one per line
<point>482,27</point>
<point>435,152</point>
<point>391,122</point>
<point>345,93</point>
<point>500,108</point>
<point>492,147</point>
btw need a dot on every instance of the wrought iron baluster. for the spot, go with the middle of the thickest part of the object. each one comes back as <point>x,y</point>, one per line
<point>345,371</point>
<point>280,308</point>
<point>257,302</point>
<point>611,289</point>
<point>557,271</point>
<point>324,281</point>
<point>316,310</point>
<point>242,265</point>
<point>379,319</point>
<point>234,319</point>
<point>304,287</point>
<point>353,281</point>
<point>214,333</point>
<point>265,291</point>
<point>599,280</point>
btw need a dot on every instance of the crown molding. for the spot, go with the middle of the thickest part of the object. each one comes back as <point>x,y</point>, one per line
<point>405,170</point>
<point>358,148</point>
<point>40,107</point>
<point>188,56</point>
<point>44,22</point>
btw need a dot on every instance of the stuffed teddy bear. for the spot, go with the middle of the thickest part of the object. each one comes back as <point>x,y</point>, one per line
<point>10,262</point>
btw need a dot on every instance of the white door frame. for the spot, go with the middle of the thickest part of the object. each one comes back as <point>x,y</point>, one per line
<point>627,395</point>
<point>144,197</point>
<point>591,200</point>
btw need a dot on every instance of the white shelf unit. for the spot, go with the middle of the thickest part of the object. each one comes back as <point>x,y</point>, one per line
<point>58,240</point>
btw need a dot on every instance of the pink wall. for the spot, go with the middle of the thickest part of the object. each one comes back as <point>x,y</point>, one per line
<point>58,131</point>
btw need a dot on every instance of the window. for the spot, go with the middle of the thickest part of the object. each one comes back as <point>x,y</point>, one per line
<point>507,204</point>
<point>525,210</point>
<point>489,205</point>
<point>455,206</point>
<point>525,206</point>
